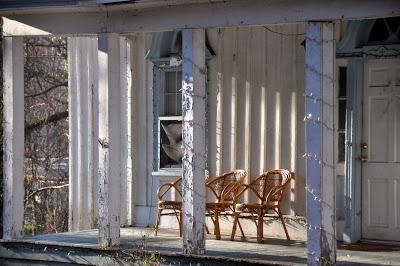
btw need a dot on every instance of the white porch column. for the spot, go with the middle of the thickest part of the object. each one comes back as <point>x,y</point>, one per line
<point>127,207</point>
<point>194,140</point>
<point>109,139</point>
<point>83,116</point>
<point>13,134</point>
<point>320,56</point>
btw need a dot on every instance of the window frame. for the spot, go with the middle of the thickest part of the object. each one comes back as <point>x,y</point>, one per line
<point>340,165</point>
<point>160,67</point>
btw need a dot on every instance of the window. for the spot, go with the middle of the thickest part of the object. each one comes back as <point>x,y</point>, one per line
<point>168,103</point>
<point>385,30</point>
<point>170,142</point>
<point>172,94</point>
<point>342,99</point>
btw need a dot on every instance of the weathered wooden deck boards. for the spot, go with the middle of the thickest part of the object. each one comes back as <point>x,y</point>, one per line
<point>81,248</point>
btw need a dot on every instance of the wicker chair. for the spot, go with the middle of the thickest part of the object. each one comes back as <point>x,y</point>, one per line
<point>168,206</point>
<point>268,190</point>
<point>223,189</point>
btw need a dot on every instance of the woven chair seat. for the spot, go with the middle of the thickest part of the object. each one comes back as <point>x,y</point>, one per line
<point>169,204</point>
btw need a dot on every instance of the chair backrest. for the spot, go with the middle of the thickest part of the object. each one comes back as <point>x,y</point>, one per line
<point>269,184</point>
<point>277,193</point>
<point>173,190</point>
<point>224,187</point>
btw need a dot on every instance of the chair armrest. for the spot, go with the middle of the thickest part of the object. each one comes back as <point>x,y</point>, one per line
<point>241,189</point>
<point>163,189</point>
<point>273,192</point>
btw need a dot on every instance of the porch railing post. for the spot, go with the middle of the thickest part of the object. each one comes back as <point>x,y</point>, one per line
<point>194,140</point>
<point>13,137</point>
<point>320,56</point>
<point>109,139</point>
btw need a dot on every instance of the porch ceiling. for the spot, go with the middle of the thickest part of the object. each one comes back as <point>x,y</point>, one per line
<point>271,252</point>
<point>170,15</point>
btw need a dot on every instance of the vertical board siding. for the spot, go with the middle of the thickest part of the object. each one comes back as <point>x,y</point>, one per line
<point>255,94</point>
<point>256,88</point>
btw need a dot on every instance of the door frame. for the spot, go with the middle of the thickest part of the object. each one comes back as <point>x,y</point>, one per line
<point>354,130</point>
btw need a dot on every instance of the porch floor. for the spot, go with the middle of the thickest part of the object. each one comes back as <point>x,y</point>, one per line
<point>272,251</point>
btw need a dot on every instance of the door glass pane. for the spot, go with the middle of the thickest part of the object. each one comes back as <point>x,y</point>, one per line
<point>342,115</point>
<point>341,146</point>
<point>342,81</point>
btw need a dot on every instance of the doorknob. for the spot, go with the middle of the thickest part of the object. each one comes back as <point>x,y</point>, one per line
<point>364,159</point>
<point>364,146</point>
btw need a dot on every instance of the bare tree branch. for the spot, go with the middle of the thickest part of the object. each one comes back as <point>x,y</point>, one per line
<point>43,189</point>
<point>64,84</point>
<point>50,120</point>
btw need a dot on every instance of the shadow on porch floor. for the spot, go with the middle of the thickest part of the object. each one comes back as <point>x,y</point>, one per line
<point>271,252</point>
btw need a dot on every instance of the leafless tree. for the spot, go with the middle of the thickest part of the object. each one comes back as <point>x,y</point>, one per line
<point>46,135</point>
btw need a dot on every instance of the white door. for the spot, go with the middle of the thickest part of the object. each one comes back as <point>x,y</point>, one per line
<point>381,150</point>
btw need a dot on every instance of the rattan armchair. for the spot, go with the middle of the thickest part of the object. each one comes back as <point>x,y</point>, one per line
<point>223,189</point>
<point>171,205</point>
<point>267,189</point>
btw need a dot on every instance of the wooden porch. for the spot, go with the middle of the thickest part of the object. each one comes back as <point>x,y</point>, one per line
<point>82,248</point>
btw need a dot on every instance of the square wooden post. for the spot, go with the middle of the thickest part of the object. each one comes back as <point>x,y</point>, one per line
<point>321,185</point>
<point>83,116</point>
<point>13,137</point>
<point>109,139</point>
<point>194,140</point>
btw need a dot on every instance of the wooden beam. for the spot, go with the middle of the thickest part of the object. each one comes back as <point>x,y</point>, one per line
<point>13,134</point>
<point>194,140</point>
<point>211,14</point>
<point>109,139</point>
<point>321,185</point>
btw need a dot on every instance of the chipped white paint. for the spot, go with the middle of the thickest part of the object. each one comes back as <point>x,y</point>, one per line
<point>320,55</point>
<point>13,133</point>
<point>194,140</point>
<point>109,139</point>
<point>126,132</point>
<point>82,132</point>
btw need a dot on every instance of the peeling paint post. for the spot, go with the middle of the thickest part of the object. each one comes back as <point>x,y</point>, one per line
<point>194,140</point>
<point>109,139</point>
<point>13,134</point>
<point>82,110</point>
<point>320,55</point>
<point>127,208</point>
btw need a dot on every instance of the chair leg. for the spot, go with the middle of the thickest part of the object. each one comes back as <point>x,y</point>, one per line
<point>180,224</point>
<point>283,223</point>
<point>241,229</point>
<point>235,221</point>
<point>178,218</point>
<point>216,225</point>
<point>208,231</point>
<point>260,227</point>
<point>158,221</point>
